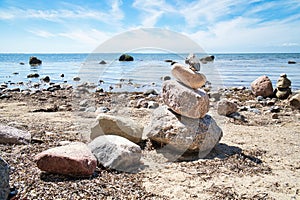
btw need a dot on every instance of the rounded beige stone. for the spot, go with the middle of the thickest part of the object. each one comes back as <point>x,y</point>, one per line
<point>188,77</point>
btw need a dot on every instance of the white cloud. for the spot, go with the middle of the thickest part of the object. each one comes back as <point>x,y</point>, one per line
<point>58,15</point>
<point>89,37</point>
<point>152,10</point>
<point>42,33</point>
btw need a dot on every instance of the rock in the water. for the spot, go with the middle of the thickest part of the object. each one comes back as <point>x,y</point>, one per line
<point>185,101</point>
<point>117,125</point>
<point>225,107</point>
<point>291,62</point>
<point>116,152</point>
<point>75,159</point>
<point>183,133</point>
<point>262,86</point>
<point>295,101</point>
<point>46,79</point>
<point>34,75</point>
<point>126,57</point>
<point>102,62</point>
<point>207,59</point>
<point>34,61</point>
<point>4,179</point>
<point>193,61</point>
<point>188,77</point>
<point>76,78</point>
<point>11,135</point>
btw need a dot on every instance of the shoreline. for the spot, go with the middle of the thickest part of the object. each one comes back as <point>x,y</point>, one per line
<point>254,159</point>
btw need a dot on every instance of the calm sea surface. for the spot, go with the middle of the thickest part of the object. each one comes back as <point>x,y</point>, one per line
<point>147,69</point>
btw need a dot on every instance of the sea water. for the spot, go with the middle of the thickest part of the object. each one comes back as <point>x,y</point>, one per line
<point>147,70</point>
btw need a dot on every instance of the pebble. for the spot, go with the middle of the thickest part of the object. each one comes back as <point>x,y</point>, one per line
<point>102,109</point>
<point>76,78</point>
<point>275,116</point>
<point>90,109</point>
<point>275,109</point>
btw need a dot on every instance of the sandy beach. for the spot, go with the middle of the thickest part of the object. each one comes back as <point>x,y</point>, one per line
<point>255,159</point>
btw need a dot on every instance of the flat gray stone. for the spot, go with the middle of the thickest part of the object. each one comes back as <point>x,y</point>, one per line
<point>116,152</point>
<point>11,135</point>
<point>116,125</point>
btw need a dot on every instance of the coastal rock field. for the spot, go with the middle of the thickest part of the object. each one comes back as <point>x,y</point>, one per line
<point>257,157</point>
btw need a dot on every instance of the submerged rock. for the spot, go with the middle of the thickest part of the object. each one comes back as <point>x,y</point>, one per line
<point>126,57</point>
<point>34,61</point>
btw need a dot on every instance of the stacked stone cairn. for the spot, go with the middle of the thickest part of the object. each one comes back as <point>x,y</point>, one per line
<point>182,126</point>
<point>283,87</point>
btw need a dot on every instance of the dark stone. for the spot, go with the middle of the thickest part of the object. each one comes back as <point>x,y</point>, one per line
<point>168,60</point>
<point>4,179</point>
<point>291,62</point>
<point>62,75</point>
<point>76,79</point>
<point>34,61</point>
<point>35,75</point>
<point>21,63</point>
<point>102,62</point>
<point>208,59</point>
<point>126,57</point>
<point>46,79</point>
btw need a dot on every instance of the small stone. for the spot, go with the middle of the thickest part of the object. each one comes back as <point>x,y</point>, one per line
<point>90,109</point>
<point>165,78</point>
<point>102,110</point>
<point>151,91</point>
<point>152,105</point>
<point>76,78</point>
<point>260,98</point>
<point>46,79</point>
<point>73,159</point>
<point>11,135</point>
<point>275,109</point>
<point>188,77</point>
<point>292,62</point>
<point>225,107</point>
<point>275,116</point>
<point>34,75</point>
<point>116,125</point>
<point>295,101</point>
<point>185,101</point>
<point>102,62</point>
<point>262,86</point>
<point>215,95</point>
<point>84,103</point>
<point>116,152</point>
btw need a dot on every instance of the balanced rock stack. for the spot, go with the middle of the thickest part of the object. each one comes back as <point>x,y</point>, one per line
<point>283,87</point>
<point>183,125</point>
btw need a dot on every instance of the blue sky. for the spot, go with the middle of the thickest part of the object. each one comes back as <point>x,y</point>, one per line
<point>82,25</point>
